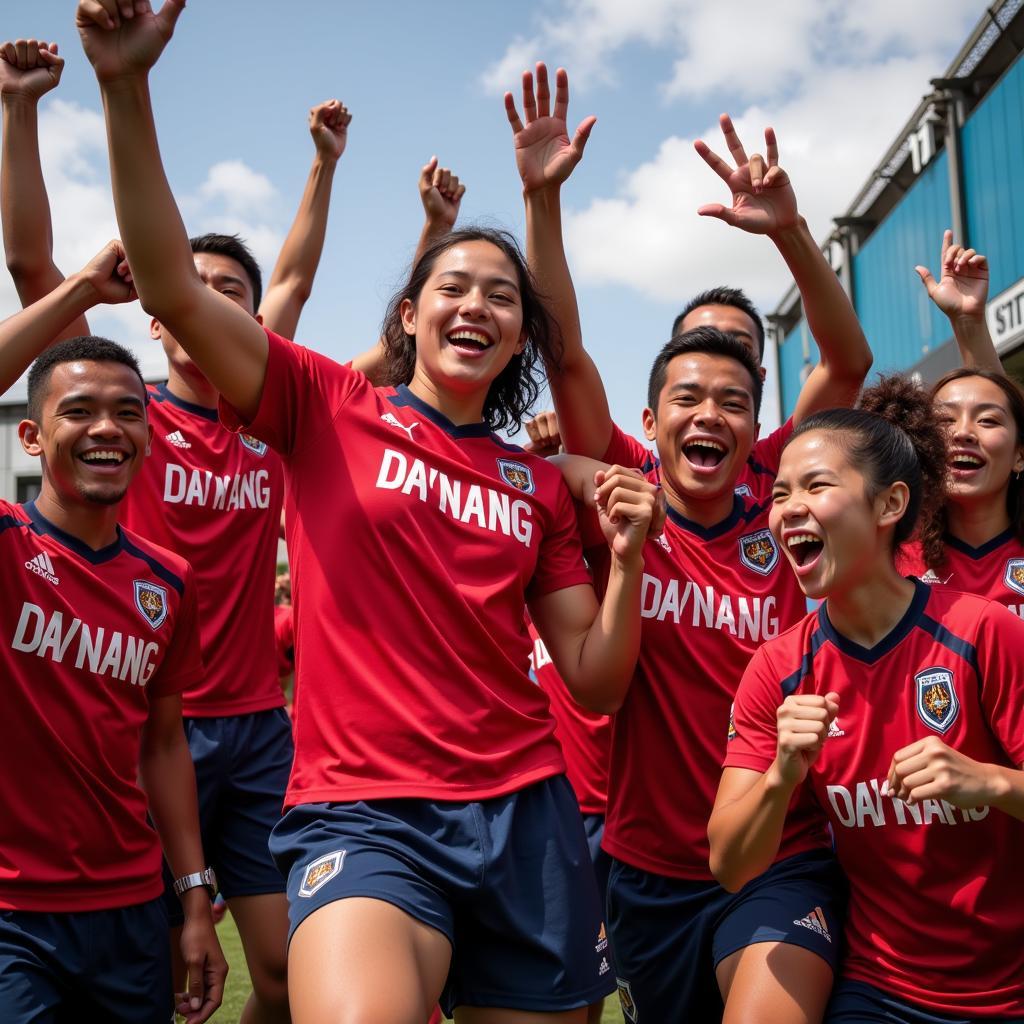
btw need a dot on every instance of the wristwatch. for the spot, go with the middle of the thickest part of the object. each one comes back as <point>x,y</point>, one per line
<point>206,878</point>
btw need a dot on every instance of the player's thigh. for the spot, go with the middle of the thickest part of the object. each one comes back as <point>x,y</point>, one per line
<point>490,1015</point>
<point>774,983</point>
<point>263,928</point>
<point>337,971</point>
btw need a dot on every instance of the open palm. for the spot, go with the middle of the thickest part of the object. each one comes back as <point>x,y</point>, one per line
<point>962,288</point>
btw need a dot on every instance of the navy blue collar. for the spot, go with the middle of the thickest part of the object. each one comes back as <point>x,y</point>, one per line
<point>166,395</point>
<point>979,552</point>
<point>911,617</point>
<point>404,397</point>
<point>40,524</point>
<point>711,532</point>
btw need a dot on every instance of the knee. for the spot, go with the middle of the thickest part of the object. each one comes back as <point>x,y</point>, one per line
<point>270,982</point>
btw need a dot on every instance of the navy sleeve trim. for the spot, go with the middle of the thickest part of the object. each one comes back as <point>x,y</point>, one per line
<point>792,681</point>
<point>951,641</point>
<point>159,569</point>
<point>6,522</point>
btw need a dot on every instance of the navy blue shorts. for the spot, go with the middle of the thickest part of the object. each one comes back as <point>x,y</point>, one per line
<point>854,1002</point>
<point>109,965</point>
<point>506,880</point>
<point>668,934</point>
<point>593,825</point>
<point>242,764</point>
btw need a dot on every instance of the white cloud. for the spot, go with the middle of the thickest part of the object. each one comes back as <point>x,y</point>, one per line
<point>238,186</point>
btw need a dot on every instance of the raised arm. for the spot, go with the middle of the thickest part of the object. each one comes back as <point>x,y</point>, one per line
<point>545,157</point>
<point>961,293</point>
<point>105,279</point>
<point>441,194</point>
<point>291,283</point>
<point>224,341</point>
<point>28,70</point>
<point>763,203</point>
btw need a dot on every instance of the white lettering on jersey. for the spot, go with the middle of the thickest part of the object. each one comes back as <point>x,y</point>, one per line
<point>539,656</point>
<point>227,493</point>
<point>870,803</point>
<point>1017,609</point>
<point>753,617</point>
<point>485,507</point>
<point>117,655</point>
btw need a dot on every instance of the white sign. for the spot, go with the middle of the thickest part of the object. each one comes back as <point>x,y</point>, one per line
<point>1005,316</point>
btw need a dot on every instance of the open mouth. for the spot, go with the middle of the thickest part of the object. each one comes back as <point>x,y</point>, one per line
<point>469,341</point>
<point>804,548</point>
<point>965,462</point>
<point>104,458</point>
<point>703,452</point>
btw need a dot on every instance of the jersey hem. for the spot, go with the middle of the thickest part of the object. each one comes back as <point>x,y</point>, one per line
<point>574,579</point>
<point>444,792</point>
<point>655,867</point>
<point>54,899</point>
<point>205,709</point>
<point>752,763</point>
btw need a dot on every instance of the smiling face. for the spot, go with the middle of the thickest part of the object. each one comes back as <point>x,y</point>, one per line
<point>467,319</point>
<point>92,433</point>
<point>834,535</point>
<point>704,425</point>
<point>982,440</point>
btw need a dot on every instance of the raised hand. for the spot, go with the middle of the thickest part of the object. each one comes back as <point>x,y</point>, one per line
<point>29,68</point>
<point>545,156</point>
<point>962,288</point>
<point>629,508</point>
<point>545,438</point>
<point>328,124</point>
<point>124,38</point>
<point>763,201</point>
<point>441,194</point>
<point>108,275</point>
<point>802,723</point>
<point>931,770</point>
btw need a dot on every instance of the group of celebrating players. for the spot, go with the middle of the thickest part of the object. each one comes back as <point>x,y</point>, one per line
<point>854,859</point>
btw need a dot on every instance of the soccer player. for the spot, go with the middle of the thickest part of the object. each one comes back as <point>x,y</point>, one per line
<point>426,773</point>
<point>900,707</point>
<point>763,203</point>
<point>713,591</point>
<point>100,637</point>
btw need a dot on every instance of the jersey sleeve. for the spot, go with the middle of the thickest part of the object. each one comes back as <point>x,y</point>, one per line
<point>182,666</point>
<point>302,394</point>
<point>767,453</point>
<point>1001,673</point>
<point>624,450</point>
<point>753,736</point>
<point>560,561</point>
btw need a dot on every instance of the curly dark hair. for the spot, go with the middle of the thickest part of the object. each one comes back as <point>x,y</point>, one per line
<point>514,391</point>
<point>892,436</point>
<point>933,531</point>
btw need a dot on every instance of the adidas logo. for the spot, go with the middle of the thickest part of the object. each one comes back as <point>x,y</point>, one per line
<point>931,578</point>
<point>177,439</point>
<point>815,921</point>
<point>834,730</point>
<point>42,566</point>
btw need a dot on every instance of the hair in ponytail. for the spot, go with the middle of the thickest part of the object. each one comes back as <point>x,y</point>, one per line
<point>892,436</point>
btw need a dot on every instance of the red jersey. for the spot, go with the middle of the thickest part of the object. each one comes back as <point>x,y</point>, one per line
<point>585,736</point>
<point>88,638</point>
<point>995,570</point>
<point>284,638</point>
<point>214,497</point>
<point>755,480</point>
<point>936,911</point>
<point>710,598</point>
<point>414,544</point>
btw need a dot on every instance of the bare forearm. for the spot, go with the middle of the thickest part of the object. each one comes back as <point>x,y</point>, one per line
<point>431,232</point>
<point>576,385</point>
<point>977,349</point>
<point>1008,791</point>
<point>26,334</point>
<point>745,833</point>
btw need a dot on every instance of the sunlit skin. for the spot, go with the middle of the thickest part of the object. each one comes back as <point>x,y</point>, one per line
<point>91,410</point>
<point>839,541</point>
<point>468,324</point>
<point>227,276</point>
<point>984,451</point>
<point>706,400</point>
<point>728,319</point>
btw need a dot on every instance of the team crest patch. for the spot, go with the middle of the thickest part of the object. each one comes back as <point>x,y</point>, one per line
<point>937,703</point>
<point>516,474</point>
<point>1014,575</point>
<point>254,444</point>
<point>151,601</point>
<point>626,1000</point>
<point>321,871</point>
<point>732,723</point>
<point>758,551</point>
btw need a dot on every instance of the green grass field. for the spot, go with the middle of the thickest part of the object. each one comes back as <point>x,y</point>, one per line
<point>238,987</point>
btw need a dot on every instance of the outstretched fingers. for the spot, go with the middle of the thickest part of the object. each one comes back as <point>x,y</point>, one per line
<point>544,90</point>
<point>529,99</point>
<point>512,114</point>
<point>771,145</point>
<point>713,160</point>
<point>732,140</point>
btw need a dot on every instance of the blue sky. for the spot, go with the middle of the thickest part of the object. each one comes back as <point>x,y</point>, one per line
<point>234,86</point>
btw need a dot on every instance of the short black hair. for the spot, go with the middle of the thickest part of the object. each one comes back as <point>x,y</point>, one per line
<point>703,340</point>
<point>84,347</point>
<point>233,247</point>
<point>723,296</point>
